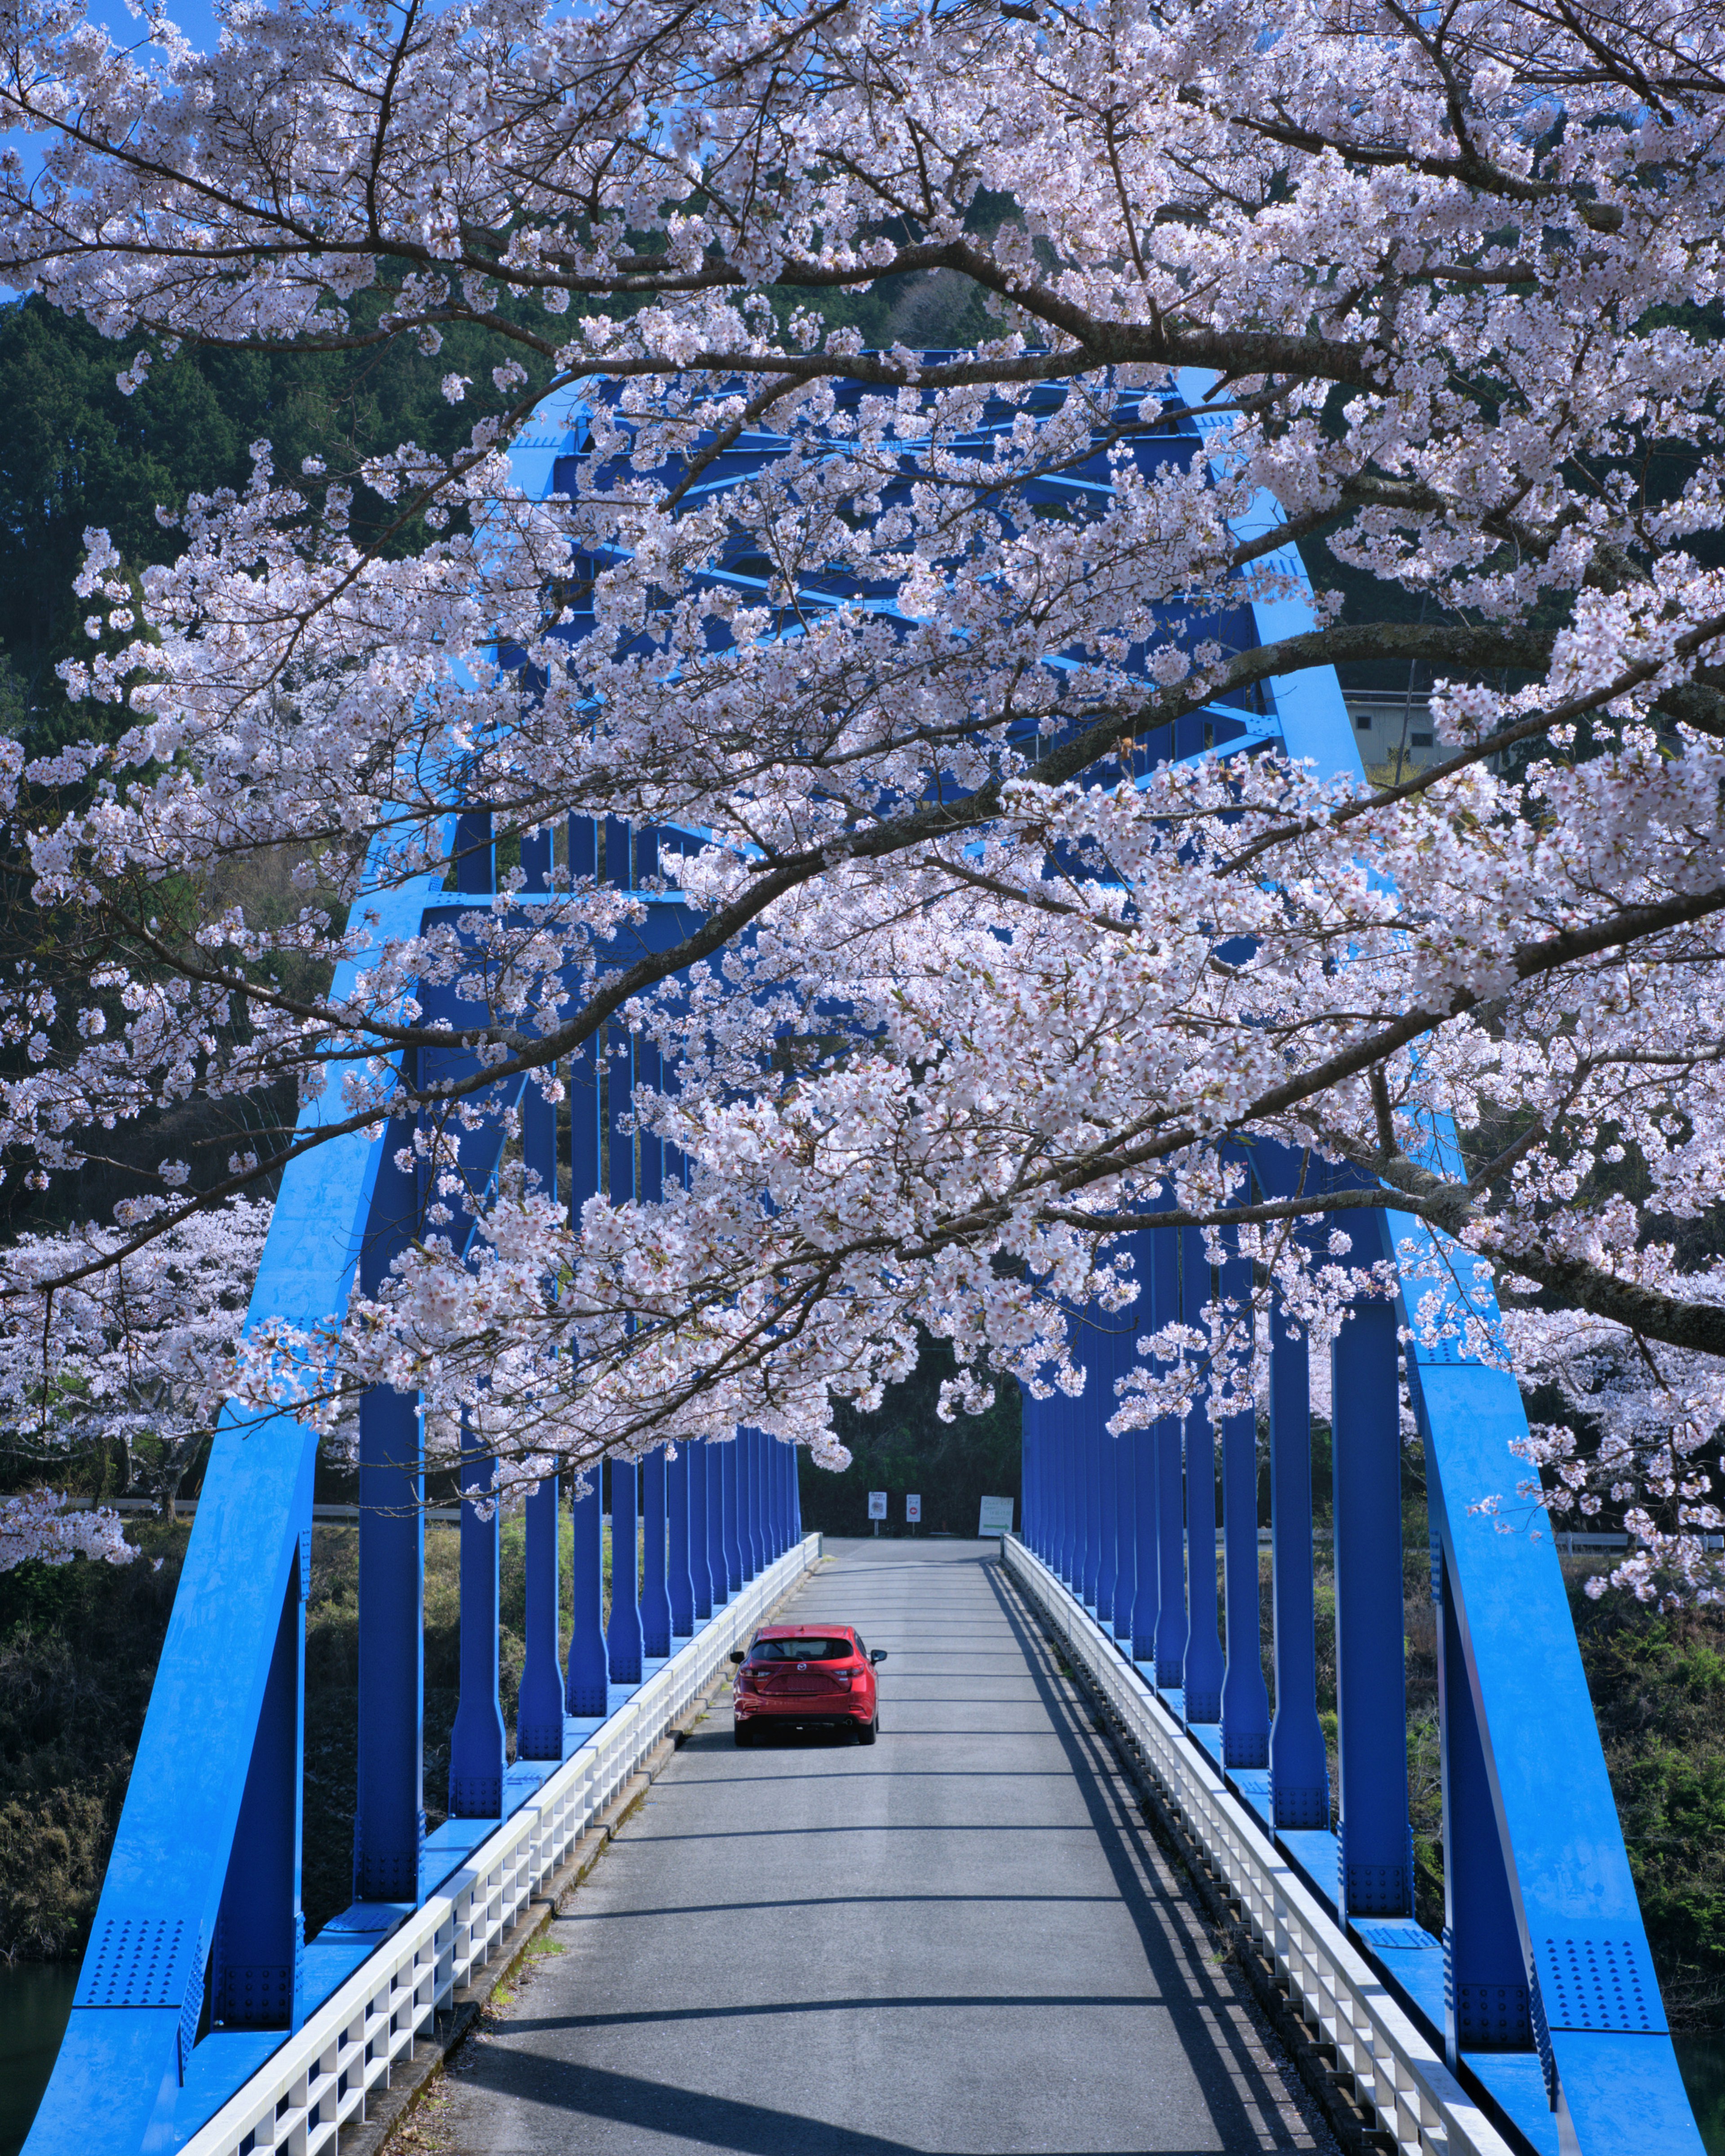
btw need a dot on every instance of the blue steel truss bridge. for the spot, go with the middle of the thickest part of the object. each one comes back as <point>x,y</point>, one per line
<point>206,2021</point>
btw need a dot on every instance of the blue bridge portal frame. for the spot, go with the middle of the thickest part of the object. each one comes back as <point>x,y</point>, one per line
<point>1541,1994</point>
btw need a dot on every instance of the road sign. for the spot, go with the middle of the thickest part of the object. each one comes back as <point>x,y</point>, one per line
<point>997,1516</point>
<point>877,1504</point>
<point>913,1510</point>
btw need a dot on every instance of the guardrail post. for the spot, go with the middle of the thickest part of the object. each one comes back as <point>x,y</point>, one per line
<point>389,1795</point>
<point>587,1690</point>
<point>1204,1649</point>
<point>1377,1863</point>
<point>624,1641</point>
<point>680,1582</point>
<point>1163,1269</point>
<point>258,1966</point>
<point>1299,1763</point>
<point>1246,1700</point>
<point>655,1597</point>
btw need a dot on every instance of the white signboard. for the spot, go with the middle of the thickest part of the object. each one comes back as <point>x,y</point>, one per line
<point>877,1504</point>
<point>997,1516</point>
<point>913,1510</point>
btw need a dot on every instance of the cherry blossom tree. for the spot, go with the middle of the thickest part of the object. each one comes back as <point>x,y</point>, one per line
<point>136,1355</point>
<point>1453,279</point>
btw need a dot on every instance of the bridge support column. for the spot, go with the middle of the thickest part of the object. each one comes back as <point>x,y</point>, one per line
<point>655,1597</point>
<point>389,1796</point>
<point>1124,1449</point>
<point>1204,1649</point>
<point>539,1716</point>
<point>1377,1857</point>
<point>477,1743</point>
<point>587,1688</point>
<point>728,1467</point>
<point>1098,1344</point>
<point>1147,1602</point>
<point>1091,1441</point>
<point>258,1967</point>
<point>1245,1702</point>
<point>1486,2004</point>
<point>1171,1626</point>
<point>680,1581</point>
<point>1299,1763</point>
<point>717,1562</point>
<point>701,1571</point>
<point>624,1639</point>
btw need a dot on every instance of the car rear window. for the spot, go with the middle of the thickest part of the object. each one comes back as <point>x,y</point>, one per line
<point>802,1651</point>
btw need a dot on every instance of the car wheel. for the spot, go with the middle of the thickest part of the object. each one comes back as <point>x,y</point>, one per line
<point>743,1734</point>
<point>868,1732</point>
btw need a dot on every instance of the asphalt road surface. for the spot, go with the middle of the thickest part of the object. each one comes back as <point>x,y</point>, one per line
<point>961,1940</point>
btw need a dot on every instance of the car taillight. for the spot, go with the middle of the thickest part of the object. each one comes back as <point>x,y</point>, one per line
<point>744,1679</point>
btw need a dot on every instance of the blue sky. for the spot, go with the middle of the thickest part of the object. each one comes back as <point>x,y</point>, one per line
<point>195,18</point>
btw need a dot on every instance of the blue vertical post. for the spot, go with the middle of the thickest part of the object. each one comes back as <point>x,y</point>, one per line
<point>796,1474</point>
<point>1204,1649</point>
<point>732,1543</point>
<point>1091,1457</point>
<point>718,1562</point>
<point>389,1797</point>
<point>1377,1868</point>
<point>624,1640</point>
<point>1164,1299</point>
<point>1299,1764</point>
<point>755,1453</point>
<point>539,1707</point>
<point>587,1683</point>
<point>655,1597</point>
<point>258,1964</point>
<point>1098,1398</point>
<point>539,1710</point>
<point>587,1690</point>
<point>1126,1499</point>
<point>1146,1603</point>
<point>701,1573</point>
<point>680,1580</point>
<point>1246,1700</point>
<point>477,1742</point>
<point>1486,1992</point>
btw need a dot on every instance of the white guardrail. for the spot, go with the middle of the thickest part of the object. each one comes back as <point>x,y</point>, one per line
<point>317,2083</point>
<point>1417,2102</point>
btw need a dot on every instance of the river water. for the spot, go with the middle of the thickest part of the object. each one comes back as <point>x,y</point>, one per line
<point>35,1999</point>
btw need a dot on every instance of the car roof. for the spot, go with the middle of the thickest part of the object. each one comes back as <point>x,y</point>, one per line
<point>822,1630</point>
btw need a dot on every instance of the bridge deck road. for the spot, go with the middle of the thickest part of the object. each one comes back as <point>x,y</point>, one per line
<point>962,1939</point>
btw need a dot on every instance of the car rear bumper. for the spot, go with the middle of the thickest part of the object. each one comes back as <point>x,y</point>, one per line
<point>835,1712</point>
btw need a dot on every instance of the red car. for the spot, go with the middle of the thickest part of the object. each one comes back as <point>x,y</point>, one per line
<point>806,1676</point>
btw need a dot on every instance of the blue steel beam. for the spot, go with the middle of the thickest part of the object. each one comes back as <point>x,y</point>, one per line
<point>389,1801</point>
<point>1245,1700</point>
<point>117,2079</point>
<point>1204,1649</point>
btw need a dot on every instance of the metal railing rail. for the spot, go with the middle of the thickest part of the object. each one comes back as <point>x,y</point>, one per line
<point>318,2081</point>
<point>1417,2101</point>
